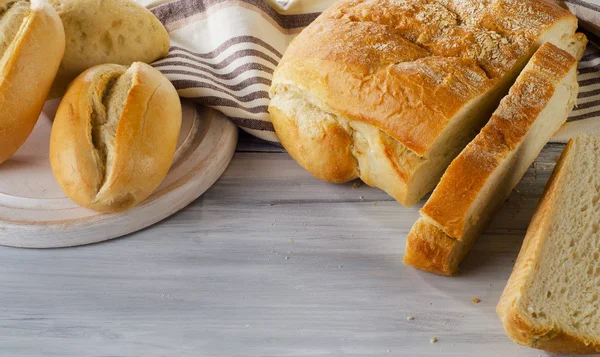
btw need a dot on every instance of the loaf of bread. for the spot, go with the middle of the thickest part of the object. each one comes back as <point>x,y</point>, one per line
<point>114,136</point>
<point>107,31</point>
<point>392,90</point>
<point>488,169</point>
<point>551,300</point>
<point>32,43</point>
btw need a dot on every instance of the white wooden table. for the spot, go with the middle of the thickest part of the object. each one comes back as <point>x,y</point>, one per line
<point>269,262</point>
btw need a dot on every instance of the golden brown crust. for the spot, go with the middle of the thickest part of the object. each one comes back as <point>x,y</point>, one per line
<point>518,326</point>
<point>418,63</point>
<point>35,53</point>
<point>438,241</point>
<point>144,142</point>
<point>387,91</point>
<point>428,248</point>
<point>335,165</point>
<point>551,340</point>
<point>350,145</point>
<point>449,205</point>
<point>426,73</point>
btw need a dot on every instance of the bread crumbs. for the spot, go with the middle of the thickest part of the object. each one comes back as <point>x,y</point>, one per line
<point>433,340</point>
<point>476,300</point>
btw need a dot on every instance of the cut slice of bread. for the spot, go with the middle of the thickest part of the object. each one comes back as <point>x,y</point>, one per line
<point>552,299</point>
<point>487,170</point>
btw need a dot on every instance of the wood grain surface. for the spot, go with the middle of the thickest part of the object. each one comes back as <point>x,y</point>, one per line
<point>268,262</point>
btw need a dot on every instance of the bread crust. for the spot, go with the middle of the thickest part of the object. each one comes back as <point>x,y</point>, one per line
<point>411,69</point>
<point>107,31</point>
<point>450,203</point>
<point>520,330</point>
<point>403,55</point>
<point>35,53</point>
<point>438,242</point>
<point>337,165</point>
<point>144,142</point>
<point>517,325</point>
<point>384,89</point>
<point>428,248</point>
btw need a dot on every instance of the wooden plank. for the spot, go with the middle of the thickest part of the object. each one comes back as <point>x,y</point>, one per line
<point>213,280</point>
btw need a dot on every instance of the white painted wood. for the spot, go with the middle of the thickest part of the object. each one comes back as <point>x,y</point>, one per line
<point>35,213</point>
<point>212,280</point>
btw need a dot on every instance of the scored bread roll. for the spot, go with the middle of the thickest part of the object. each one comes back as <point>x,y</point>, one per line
<point>32,43</point>
<point>107,31</point>
<point>115,135</point>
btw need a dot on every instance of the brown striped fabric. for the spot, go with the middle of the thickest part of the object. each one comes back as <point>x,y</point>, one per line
<point>224,52</point>
<point>181,9</point>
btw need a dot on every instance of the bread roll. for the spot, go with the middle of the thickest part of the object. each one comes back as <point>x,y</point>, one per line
<point>392,90</point>
<point>32,43</point>
<point>114,136</point>
<point>107,31</point>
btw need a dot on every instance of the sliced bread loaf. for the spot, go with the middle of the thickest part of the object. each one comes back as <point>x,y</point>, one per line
<point>486,171</point>
<point>392,90</point>
<point>552,299</point>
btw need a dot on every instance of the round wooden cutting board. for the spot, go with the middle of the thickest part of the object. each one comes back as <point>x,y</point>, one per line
<point>35,213</point>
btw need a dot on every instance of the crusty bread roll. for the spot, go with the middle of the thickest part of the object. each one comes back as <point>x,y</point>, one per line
<point>114,136</point>
<point>392,90</point>
<point>486,171</point>
<point>551,300</point>
<point>32,43</point>
<point>107,31</point>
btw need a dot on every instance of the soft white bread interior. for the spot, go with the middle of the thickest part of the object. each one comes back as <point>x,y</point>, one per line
<point>552,299</point>
<point>114,136</point>
<point>106,31</point>
<point>486,171</point>
<point>391,91</point>
<point>32,43</point>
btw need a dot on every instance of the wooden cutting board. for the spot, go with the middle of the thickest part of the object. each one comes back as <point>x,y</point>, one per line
<point>35,213</point>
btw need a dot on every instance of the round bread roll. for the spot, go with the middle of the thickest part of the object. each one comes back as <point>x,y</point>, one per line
<point>114,136</point>
<point>106,31</point>
<point>32,43</point>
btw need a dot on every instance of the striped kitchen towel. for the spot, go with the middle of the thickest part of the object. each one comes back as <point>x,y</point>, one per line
<point>223,53</point>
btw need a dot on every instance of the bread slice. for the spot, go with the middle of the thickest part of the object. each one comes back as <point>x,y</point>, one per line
<point>552,299</point>
<point>392,90</point>
<point>487,170</point>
